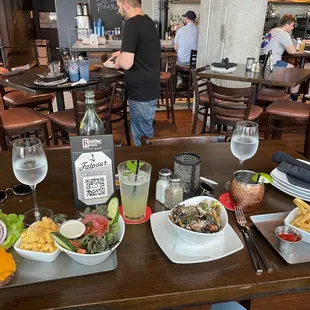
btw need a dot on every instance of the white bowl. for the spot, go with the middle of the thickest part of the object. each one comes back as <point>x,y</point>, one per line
<point>287,222</point>
<point>33,255</point>
<point>197,238</point>
<point>94,259</point>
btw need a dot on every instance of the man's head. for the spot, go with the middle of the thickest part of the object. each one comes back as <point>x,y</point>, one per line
<point>287,22</point>
<point>125,7</point>
<point>190,16</point>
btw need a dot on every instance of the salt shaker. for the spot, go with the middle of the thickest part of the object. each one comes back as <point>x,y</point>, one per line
<point>162,184</point>
<point>174,191</point>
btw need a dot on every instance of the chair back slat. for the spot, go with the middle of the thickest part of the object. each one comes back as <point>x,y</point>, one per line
<point>229,105</point>
<point>104,101</point>
<point>193,60</point>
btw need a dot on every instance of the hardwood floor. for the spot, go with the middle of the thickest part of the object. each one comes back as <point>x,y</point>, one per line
<point>163,128</point>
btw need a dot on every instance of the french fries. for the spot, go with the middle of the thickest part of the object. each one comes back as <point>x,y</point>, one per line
<point>302,220</point>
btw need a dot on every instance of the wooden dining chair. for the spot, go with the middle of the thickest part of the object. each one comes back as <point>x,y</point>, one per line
<point>231,105</point>
<point>267,95</point>
<point>197,139</point>
<point>69,120</point>
<point>167,77</point>
<point>185,72</point>
<point>13,98</point>
<point>119,108</point>
<point>202,103</point>
<point>288,116</point>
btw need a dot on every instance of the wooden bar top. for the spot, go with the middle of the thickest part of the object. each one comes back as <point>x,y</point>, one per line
<point>145,278</point>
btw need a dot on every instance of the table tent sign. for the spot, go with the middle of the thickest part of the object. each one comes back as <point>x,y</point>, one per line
<point>92,160</point>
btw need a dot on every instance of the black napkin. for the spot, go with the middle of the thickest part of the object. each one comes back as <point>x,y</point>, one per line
<point>224,64</point>
<point>298,173</point>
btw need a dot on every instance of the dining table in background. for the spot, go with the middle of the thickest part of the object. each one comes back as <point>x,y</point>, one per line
<point>285,77</point>
<point>145,278</point>
<point>24,82</point>
<point>298,56</point>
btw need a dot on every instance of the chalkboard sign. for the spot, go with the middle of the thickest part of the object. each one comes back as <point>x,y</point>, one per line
<point>107,10</point>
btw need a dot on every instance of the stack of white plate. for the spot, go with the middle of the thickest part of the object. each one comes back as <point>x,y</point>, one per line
<point>281,182</point>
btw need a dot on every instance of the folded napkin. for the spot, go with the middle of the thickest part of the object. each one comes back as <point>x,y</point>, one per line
<point>298,173</point>
<point>224,64</point>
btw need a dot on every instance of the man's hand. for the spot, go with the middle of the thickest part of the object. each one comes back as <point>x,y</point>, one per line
<point>116,54</point>
<point>117,64</point>
<point>3,70</point>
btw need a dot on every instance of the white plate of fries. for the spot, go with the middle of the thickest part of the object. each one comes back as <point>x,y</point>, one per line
<point>299,219</point>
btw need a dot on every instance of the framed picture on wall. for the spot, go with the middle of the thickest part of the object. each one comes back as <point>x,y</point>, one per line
<point>185,1</point>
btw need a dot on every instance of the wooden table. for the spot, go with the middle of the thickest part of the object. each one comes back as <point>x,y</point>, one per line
<point>286,77</point>
<point>301,56</point>
<point>145,278</point>
<point>19,82</point>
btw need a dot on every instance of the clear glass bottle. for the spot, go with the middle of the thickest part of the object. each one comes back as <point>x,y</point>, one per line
<point>174,191</point>
<point>162,184</point>
<point>91,123</point>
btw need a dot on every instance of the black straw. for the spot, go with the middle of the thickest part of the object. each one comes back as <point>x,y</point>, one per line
<point>258,177</point>
<point>136,177</point>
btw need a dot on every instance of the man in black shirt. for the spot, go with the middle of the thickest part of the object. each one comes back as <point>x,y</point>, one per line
<point>140,59</point>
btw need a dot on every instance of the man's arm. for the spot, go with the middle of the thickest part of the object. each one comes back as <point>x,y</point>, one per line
<point>125,61</point>
<point>291,49</point>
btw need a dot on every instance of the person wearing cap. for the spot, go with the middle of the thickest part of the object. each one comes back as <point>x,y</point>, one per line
<point>186,38</point>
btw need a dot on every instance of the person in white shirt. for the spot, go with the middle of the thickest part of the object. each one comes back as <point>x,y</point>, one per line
<point>278,40</point>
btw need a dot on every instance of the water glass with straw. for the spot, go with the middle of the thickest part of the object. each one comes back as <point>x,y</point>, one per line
<point>134,178</point>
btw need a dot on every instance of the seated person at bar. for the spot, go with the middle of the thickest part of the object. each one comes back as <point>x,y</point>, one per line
<point>278,40</point>
<point>186,38</point>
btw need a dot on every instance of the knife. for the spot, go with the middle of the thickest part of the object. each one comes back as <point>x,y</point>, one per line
<point>260,251</point>
<point>253,253</point>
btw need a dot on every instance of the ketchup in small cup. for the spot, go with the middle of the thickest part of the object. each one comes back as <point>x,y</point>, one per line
<point>287,239</point>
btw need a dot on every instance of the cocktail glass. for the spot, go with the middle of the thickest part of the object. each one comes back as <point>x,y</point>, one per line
<point>134,179</point>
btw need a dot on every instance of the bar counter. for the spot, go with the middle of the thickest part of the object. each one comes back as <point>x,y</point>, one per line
<point>112,46</point>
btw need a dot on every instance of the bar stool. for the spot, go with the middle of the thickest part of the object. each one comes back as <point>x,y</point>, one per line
<point>21,122</point>
<point>288,116</point>
<point>17,99</point>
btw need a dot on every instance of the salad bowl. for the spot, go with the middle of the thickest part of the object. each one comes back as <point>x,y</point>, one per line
<point>94,259</point>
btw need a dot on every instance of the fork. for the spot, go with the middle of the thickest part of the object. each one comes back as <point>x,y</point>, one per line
<point>243,224</point>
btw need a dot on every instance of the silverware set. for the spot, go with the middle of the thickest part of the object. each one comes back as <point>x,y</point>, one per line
<point>255,250</point>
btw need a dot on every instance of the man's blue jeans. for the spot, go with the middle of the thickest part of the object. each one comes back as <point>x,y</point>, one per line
<point>141,119</point>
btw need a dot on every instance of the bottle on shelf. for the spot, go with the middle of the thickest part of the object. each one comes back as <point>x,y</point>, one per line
<point>91,123</point>
<point>85,8</point>
<point>79,9</point>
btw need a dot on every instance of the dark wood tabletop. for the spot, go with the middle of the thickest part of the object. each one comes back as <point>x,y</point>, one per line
<point>286,77</point>
<point>145,278</point>
<point>24,80</point>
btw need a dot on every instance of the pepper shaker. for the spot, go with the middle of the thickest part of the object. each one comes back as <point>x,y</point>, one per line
<point>174,192</point>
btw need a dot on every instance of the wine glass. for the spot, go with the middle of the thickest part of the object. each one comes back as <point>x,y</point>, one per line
<point>30,167</point>
<point>244,142</point>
